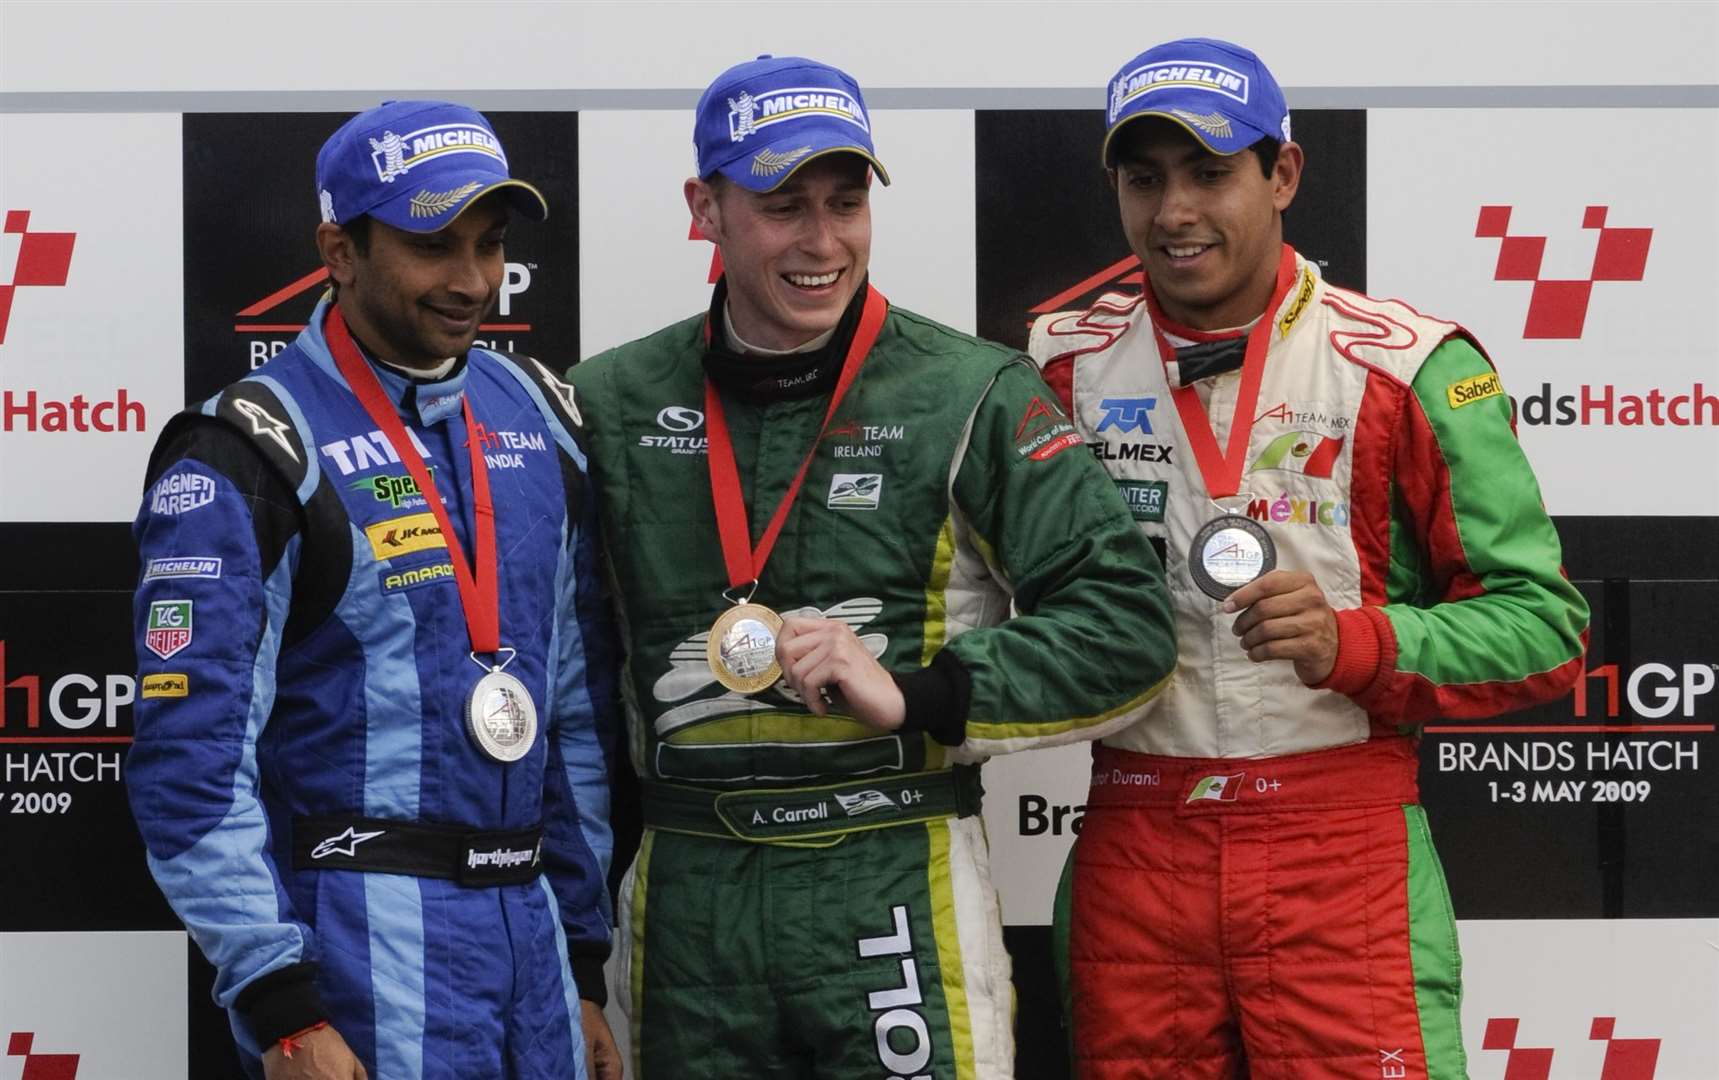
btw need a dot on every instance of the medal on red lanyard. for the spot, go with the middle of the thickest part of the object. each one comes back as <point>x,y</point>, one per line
<point>500,715</point>
<point>1230,550</point>
<point>741,649</point>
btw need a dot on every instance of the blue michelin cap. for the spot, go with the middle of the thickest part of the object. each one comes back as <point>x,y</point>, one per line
<point>761,120</point>
<point>416,165</point>
<point>1221,93</point>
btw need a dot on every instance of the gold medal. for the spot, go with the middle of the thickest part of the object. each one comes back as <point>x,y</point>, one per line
<point>742,648</point>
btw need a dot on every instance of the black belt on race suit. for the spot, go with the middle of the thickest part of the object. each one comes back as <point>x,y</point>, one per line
<point>817,816</point>
<point>475,858</point>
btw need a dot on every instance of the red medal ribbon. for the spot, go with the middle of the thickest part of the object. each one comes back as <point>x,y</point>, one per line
<point>1222,470</point>
<point>745,564</point>
<point>480,595</point>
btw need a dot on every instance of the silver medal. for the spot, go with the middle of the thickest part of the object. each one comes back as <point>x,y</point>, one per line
<point>501,718</point>
<point>1228,552</point>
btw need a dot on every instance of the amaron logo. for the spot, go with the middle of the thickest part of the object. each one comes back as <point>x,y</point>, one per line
<point>75,701</point>
<point>1559,309</point>
<point>1626,1059</point>
<point>44,260</point>
<point>253,318</point>
<point>40,1066</point>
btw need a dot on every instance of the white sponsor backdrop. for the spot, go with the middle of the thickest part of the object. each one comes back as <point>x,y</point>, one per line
<point>1658,978</point>
<point>117,323</point>
<point>1429,173</point>
<point>115,1000</point>
<point>640,271</point>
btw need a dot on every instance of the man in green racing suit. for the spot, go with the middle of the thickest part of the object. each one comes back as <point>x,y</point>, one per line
<point>812,894</point>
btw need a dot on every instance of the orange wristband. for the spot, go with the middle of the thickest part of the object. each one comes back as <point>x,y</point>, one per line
<point>289,1043</point>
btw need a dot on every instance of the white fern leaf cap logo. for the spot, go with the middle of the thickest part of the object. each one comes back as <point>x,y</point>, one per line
<point>432,203</point>
<point>769,162</point>
<point>1215,124</point>
<point>326,201</point>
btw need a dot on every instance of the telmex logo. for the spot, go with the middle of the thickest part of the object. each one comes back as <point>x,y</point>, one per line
<point>75,701</point>
<point>1559,309</point>
<point>1626,1059</point>
<point>44,260</point>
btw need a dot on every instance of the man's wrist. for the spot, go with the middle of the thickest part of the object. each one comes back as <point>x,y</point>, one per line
<point>281,1003</point>
<point>588,977</point>
<point>1360,650</point>
<point>937,698</point>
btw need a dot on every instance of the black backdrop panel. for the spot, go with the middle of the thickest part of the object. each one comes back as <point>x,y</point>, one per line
<point>1048,235</point>
<point>252,274</point>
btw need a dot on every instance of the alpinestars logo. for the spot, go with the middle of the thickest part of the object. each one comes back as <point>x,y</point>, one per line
<point>345,843</point>
<point>1559,309</point>
<point>44,260</point>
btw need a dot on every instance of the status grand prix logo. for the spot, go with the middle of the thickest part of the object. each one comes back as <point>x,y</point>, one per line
<point>44,260</point>
<point>1559,309</point>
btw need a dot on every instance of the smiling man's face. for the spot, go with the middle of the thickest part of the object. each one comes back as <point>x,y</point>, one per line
<point>1207,227</point>
<point>795,256</point>
<point>418,298</point>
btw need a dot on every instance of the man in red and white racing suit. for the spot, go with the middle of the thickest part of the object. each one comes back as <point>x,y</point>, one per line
<point>1254,890</point>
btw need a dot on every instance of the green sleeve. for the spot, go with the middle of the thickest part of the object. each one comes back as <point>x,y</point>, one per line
<point>1479,618</point>
<point>1093,637</point>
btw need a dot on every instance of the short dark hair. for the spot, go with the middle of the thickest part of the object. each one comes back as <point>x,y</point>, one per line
<point>1266,150</point>
<point>359,230</point>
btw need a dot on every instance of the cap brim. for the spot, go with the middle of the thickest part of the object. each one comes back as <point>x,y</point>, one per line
<point>1240,137</point>
<point>422,211</point>
<point>769,167</point>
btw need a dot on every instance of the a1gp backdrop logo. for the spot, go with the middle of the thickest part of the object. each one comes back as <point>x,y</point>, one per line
<point>252,275</point>
<point>1049,236</point>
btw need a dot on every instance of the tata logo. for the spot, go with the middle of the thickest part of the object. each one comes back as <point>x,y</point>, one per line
<point>1127,414</point>
<point>680,418</point>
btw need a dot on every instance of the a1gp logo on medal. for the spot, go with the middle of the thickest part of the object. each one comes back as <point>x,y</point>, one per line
<point>1228,552</point>
<point>742,648</point>
<point>501,717</point>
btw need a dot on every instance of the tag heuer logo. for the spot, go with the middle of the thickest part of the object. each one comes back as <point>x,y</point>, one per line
<point>169,628</point>
<point>855,491</point>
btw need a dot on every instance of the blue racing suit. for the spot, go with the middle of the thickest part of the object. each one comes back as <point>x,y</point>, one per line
<point>304,666</point>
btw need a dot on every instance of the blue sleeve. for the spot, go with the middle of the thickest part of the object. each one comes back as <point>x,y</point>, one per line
<point>584,734</point>
<point>218,539</point>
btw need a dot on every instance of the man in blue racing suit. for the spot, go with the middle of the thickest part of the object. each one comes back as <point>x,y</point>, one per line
<point>375,676</point>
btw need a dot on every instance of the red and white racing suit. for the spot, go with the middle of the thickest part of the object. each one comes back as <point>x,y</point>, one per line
<point>1254,890</point>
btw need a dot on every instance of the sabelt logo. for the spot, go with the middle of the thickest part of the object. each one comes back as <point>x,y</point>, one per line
<point>405,535</point>
<point>1608,405</point>
<point>1473,389</point>
<point>172,685</point>
<point>74,701</point>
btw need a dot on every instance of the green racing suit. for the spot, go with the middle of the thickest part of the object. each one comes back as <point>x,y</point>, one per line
<point>812,896</point>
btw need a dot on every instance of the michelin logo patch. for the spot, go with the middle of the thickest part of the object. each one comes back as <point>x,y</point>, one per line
<point>189,566</point>
<point>395,155</point>
<point>1205,76</point>
<point>748,115</point>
